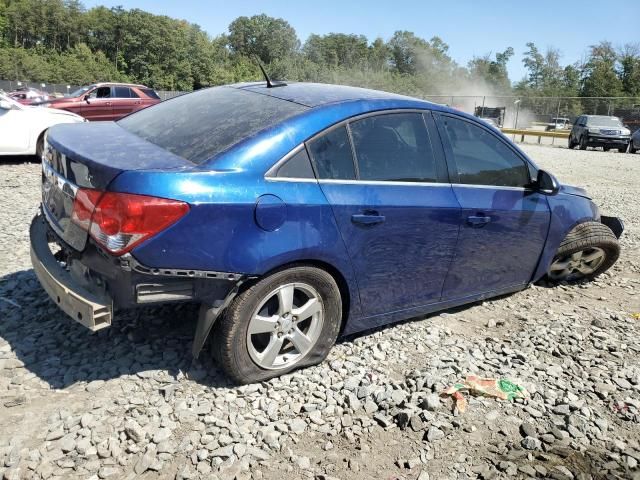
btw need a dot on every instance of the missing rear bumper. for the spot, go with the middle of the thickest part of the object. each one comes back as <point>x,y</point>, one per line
<point>92,310</point>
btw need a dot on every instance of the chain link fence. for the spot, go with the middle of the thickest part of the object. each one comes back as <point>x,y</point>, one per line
<point>536,112</point>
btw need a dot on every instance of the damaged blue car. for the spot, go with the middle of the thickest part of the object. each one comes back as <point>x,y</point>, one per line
<point>297,213</point>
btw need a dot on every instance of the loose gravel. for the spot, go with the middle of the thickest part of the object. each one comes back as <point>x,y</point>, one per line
<point>129,402</point>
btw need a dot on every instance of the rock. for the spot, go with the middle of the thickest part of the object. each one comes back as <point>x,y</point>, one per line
<point>298,425</point>
<point>433,434</point>
<point>303,463</point>
<point>530,443</point>
<point>134,431</point>
<point>94,386</point>
<point>224,452</point>
<point>528,430</point>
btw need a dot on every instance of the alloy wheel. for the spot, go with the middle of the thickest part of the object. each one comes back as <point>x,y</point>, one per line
<point>285,326</point>
<point>577,265</point>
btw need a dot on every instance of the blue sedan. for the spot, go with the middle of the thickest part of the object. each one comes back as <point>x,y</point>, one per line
<point>297,213</point>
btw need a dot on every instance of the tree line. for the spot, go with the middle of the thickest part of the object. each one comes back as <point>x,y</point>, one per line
<point>60,41</point>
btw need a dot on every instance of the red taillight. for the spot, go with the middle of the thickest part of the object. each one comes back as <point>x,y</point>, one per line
<point>120,221</point>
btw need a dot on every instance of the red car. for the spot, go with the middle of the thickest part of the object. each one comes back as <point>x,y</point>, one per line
<point>107,101</point>
<point>29,96</point>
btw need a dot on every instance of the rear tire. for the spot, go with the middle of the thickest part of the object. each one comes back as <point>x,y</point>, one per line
<point>589,249</point>
<point>258,335</point>
<point>632,149</point>
<point>572,144</point>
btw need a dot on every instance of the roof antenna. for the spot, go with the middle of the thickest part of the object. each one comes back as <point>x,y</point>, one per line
<point>270,84</point>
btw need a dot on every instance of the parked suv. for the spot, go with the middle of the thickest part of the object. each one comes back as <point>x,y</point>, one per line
<point>107,101</point>
<point>599,131</point>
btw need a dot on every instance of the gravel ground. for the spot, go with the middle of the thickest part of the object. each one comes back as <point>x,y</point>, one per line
<point>128,402</point>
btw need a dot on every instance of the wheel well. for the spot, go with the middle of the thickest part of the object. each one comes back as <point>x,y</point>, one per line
<point>343,286</point>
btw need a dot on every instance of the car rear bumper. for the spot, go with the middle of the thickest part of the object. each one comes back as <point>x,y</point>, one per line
<point>94,311</point>
<point>91,285</point>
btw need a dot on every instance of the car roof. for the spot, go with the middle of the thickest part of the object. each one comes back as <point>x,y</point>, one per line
<point>118,84</point>
<point>319,94</point>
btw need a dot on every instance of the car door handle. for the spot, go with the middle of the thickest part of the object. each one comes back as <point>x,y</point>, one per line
<point>369,218</point>
<point>478,220</point>
<point>108,104</point>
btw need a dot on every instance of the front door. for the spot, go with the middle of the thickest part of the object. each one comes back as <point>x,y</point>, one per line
<point>504,222</point>
<point>395,208</point>
<point>98,105</point>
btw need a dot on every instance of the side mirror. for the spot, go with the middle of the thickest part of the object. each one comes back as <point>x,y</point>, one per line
<point>86,98</point>
<point>547,183</point>
<point>4,105</point>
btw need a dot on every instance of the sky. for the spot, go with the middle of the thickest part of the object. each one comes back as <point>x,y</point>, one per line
<point>470,28</point>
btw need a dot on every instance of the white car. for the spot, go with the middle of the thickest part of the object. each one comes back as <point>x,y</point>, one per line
<point>22,127</point>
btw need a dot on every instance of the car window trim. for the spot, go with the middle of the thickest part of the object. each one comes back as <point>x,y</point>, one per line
<point>345,122</point>
<point>449,152</point>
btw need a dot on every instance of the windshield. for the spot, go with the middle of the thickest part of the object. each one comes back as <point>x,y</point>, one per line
<point>200,125</point>
<point>604,122</point>
<point>7,98</point>
<point>80,91</point>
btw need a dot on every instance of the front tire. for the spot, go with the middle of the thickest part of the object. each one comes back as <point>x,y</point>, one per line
<point>589,249</point>
<point>583,143</point>
<point>285,321</point>
<point>622,149</point>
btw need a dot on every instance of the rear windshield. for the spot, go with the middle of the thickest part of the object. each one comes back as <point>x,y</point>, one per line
<point>604,121</point>
<point>202,124</point>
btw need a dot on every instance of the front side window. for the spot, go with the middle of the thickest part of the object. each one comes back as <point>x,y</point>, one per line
<point>101,92</point>
<point>481,157</point>
<point>393,147</point>
<point>332,155</point>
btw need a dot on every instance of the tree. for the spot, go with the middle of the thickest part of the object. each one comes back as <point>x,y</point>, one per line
<point>492,72</point>
<point>267,37</point>
<point>599,76</point>
<point>629,70</point>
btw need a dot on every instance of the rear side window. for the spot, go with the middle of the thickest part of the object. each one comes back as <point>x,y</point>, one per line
<point>200,125</point>
<point>298,166</point>
<point>150,93</point>
<point>332,155</point>
<point>482,158</point>
<point>393,147</point>
<point>125,92</point>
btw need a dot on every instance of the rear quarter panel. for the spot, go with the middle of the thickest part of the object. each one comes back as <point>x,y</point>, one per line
<point>220,232</point>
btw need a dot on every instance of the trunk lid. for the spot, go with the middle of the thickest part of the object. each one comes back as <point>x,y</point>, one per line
<point>91,155</point>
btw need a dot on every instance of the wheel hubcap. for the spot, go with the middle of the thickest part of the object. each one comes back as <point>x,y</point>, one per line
<point>577,265</point>
<point>285,326</point>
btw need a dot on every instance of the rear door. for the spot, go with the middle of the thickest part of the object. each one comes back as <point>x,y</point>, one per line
<point>504,222</point>
<point>395,208</point>
<point>125,100</point>
<point>99,105</point>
